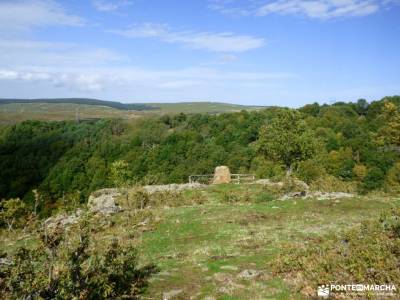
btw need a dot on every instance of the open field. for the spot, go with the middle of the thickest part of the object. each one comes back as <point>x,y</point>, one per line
<point>17,112</point>
<point>208,250</point>
<point>201,107</point>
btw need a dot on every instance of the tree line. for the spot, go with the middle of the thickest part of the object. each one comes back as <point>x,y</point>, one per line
<point>63,162</point>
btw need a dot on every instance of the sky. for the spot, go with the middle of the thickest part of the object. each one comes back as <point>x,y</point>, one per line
<point>253,52</point>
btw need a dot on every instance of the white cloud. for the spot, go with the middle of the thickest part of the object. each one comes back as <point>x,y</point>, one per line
<point>215,42</point>
<point>16,53</point>
<point>110,5</point>
<point>323,9</point>
<point>79,82</point>
<point>225,7</point>
<point>229,58</point>
<point>76,68</point>
<point>23,15</point>
<point>319,9</point>
<point>107,78</point>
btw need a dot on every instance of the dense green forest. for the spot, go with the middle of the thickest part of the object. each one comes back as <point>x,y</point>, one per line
<point>357,144</point>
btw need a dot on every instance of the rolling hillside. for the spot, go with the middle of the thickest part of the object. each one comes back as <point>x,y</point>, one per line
<point>201,107</point>
<point>17,110</point>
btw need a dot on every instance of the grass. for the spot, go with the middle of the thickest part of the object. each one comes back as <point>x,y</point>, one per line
<point>202,249</point>
<point>201,107</point>
<point>18,112</point>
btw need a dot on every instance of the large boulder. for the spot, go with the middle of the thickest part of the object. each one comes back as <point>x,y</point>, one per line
<point>222,174</point>
<point>103,201</point>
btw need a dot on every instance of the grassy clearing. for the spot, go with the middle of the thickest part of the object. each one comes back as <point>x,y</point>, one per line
<point>202,250</point>
<point>18,112</point>
<point>201,107</point>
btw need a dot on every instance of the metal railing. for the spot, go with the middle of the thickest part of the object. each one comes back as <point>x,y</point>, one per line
<point>208,178</point>
<point>239,178</point>
<point>204,179</point>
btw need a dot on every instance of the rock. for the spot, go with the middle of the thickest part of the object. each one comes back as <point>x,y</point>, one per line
<point>318,195</point>
<point>268,182</point>
<point>222,175</point>
<point>103,201</point>
<point>6,261</point>
<point>249,274</point>
<point>63,220</point>
<point>231,268</point>
<point>301,185</point>
<point>151,189</point>
<point>297,194</point>
<point>330,196</point>
<point>223,277</point>
<point>171,294</point>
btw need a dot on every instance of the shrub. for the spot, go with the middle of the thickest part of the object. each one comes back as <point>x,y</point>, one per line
<point>373,180</point>
<point>267,169</point>
<point>196,197</point>
<point>55,271</point>
<point>310,170</point>
<point>329,183</point>
<point>138,198</point>
<point>230,197</point>
<point>264,197</point>
<point>392,182</point>
<point>12,213</point>
<point>292,184</point>
<point>360,171</point>
<point>367,254</point>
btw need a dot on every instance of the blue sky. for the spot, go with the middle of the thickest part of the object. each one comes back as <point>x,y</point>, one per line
<point>261,52</point>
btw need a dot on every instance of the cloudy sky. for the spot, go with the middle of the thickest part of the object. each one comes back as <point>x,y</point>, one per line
<point>264,52</point>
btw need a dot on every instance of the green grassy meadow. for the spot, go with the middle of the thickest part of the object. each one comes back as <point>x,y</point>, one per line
<point>18,112</point>
<point>202,250</point>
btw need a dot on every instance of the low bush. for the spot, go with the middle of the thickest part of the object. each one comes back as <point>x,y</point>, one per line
<point>310,170</point>
<point>56,270</point>
<point>138,198</point>
<point>330,184</point>
<point>374,179</point>
<point>13,213</point>
<point>367,254</point>
<point>264,197</point>
<point>392,183</point>
<point>230,197</point>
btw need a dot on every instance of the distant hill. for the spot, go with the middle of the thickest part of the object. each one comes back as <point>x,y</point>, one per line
<point>85,101</point>
<point>17,110</point>
<point>202,107</point>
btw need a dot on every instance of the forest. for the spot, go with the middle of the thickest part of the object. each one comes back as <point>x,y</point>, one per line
<point>355,145</point>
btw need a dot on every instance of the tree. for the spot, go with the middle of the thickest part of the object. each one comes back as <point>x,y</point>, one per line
<point>121,175</point>
<point>287,139</point>
<point>389,134</point>
<point>12,211</point>
<point>393,179</point>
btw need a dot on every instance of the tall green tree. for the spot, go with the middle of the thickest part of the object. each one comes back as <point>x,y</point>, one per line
<point>287,138</point>
<point>389,134</point>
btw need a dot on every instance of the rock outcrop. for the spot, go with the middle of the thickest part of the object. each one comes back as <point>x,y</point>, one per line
<point>222,174</point>
<point>103,201</point>
<point>151,189</point>
<point>63,220</point>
